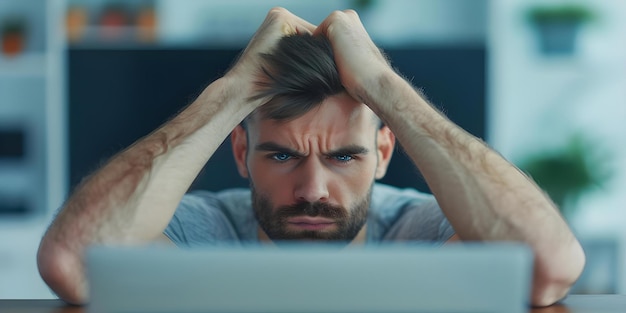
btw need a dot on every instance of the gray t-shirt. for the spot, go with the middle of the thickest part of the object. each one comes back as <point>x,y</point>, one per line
<point>205,217</point>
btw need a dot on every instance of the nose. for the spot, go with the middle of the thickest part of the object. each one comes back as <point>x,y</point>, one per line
<point>311,182</point>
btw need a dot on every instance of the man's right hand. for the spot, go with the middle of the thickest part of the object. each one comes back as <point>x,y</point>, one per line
<point>278,23</point>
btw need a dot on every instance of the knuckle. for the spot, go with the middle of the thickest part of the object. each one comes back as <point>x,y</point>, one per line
<point>336,15</point>
<point>347,16</point>
<point>277,11</point>
<point>351,12</point>
<point>352,15</point>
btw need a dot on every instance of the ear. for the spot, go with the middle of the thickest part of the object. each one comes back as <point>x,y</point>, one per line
<point>386,142</point>
<point>239,143</point>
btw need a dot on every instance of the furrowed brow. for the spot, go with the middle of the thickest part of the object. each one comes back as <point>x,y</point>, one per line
<point>270,146</point>
<point>349,150</point>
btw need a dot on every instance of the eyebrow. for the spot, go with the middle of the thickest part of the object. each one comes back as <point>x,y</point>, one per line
<point>346,150</point>
<point>272,146</point>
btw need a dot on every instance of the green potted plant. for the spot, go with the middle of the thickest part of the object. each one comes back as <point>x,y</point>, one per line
<point>567,173</point>
<point>12,34</point>
<point>558,26</point>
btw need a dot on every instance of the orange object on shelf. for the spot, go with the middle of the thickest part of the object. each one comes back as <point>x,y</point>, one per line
<point>146,24</point>
<point>12,36</point>
<point>12,44</point>
<point>76,21</point>
<point>113,21</point>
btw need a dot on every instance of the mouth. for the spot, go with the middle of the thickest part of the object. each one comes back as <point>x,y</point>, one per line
<point>310,223</point>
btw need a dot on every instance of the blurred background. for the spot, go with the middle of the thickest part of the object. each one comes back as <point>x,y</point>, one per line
<point>541,81</point>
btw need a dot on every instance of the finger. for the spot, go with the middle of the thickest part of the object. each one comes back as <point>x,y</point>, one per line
<point>289,23</point>
<point>302,26</point>
<point>346,18</point>
<point>307,28</point>
<point>329,23</point>
<point>322,28</point>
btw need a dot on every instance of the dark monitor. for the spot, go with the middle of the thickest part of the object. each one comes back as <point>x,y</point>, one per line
<point>118,96</point>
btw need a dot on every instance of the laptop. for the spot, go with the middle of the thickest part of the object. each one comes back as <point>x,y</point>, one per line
<point>457,278</point>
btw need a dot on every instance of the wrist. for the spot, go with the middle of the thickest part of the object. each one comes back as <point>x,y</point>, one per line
<point>223,97</point>
<point>241,88</point>
<point>393,99</point>
<point>377,90</point>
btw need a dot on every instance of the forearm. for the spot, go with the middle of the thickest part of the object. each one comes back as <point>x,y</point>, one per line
<point>133,197</point>
<point>483,195</point>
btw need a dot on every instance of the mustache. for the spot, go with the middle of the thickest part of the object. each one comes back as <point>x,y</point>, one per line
<point>312,209</point>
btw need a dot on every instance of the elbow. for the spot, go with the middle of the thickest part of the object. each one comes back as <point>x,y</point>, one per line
<point>62,271</point>
<point>555,274</point>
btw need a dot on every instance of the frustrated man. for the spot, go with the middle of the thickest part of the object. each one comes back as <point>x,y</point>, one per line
<point>313,113</point>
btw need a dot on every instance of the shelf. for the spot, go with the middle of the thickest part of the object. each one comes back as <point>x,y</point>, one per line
<point>23,65</point>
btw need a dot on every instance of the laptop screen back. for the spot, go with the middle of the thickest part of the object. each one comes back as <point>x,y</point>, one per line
<point>398,278</point>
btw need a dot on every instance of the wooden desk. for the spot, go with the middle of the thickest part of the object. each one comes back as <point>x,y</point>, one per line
<point>573,304</point>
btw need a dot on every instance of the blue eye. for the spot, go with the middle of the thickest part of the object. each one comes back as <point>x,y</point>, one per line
<point>281,157</point>
<point>344,158</point>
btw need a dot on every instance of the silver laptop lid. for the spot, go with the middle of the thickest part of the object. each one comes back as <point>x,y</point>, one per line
<point>398,278</point>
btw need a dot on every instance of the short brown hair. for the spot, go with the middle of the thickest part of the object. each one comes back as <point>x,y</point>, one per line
<point>297,76</point>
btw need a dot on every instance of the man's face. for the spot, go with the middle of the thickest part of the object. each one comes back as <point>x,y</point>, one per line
<point>311,177</point>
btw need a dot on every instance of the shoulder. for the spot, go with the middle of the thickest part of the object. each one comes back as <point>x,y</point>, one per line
<point>204,217</point>
<point>386,192</point>
<point>388,201</point>
<point>406,214</point>
<point>234,204</point>
<point>225,197</point>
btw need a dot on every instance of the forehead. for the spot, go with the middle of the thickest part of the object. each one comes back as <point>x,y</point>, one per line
<point>337,116</point>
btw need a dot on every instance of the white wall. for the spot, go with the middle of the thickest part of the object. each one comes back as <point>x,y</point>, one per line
<point>31,91</point>
<point>537,101</point>
<point>19,278</point>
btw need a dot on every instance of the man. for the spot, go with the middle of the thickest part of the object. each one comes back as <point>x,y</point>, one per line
<point>311,159</point>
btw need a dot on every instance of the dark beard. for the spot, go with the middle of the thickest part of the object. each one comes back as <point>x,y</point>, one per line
<point>274,222</point>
